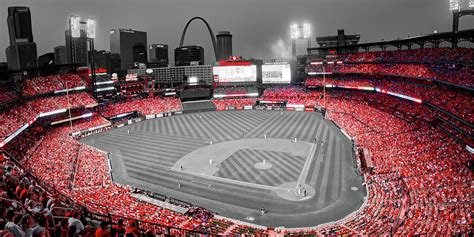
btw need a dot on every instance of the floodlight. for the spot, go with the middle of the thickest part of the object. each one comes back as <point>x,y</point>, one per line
<point>90,26</point>
<point>306,30</point>
<point>471,3</point>
<point>454,5</point>
<point>294,31</point>
<point>75,26</point>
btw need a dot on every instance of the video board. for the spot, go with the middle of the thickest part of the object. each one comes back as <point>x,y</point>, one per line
<point>229,74</point>
<point>276,73</point>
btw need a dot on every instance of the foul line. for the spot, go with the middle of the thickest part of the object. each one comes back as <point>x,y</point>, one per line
<point>306,166</point>
<point>232,181</point>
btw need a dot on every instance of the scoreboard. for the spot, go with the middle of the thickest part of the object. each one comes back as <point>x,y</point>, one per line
<point>229,74</point>
<point>276,73</point>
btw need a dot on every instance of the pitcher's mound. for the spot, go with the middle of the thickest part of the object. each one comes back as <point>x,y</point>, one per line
<point>263,165</point>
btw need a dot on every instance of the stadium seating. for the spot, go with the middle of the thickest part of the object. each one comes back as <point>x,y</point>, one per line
<point>222,104</point>
<point>46,84</point>
<point>293,95</point>
<point>15,117</point>
<point>439,64</point>
<point>419,184</point>
<point>402,181</point>
<point>7,93</point>
<point>147,106</point>
<point>234,92</point>
<point>462,76</point>
<point>452,101</point>
<point>434,55</point>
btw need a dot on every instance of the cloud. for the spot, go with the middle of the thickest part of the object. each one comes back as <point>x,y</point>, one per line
<point>281,49</point>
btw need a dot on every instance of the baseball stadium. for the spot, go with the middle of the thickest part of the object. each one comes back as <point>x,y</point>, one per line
<point>348,138</point>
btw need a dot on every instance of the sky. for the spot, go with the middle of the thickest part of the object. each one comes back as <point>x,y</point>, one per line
<point>260,28</point>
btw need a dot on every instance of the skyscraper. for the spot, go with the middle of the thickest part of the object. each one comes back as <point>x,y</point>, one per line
<point>130,45</point>
<point>224,45</point>
<point>19,25</point>
<point>159,54</point>
<point>22,56</point>
<point>189,55</point>
<point>22,52</point>
<point>79,48</point>
<point>60,55</point>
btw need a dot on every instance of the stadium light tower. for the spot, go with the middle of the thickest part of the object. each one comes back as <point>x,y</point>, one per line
<point>300,32</point>
<point>306,30</point>
<point>294,31</point>
<point>454,5</point>
<point>294,36</point>
<point>460,8</point>
<point>75,26</point>
<point>75,32</point>
<point>91,32</point>
<point>91,27</point>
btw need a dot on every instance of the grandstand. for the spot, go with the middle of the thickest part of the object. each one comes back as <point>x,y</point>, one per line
<point>381,146</point>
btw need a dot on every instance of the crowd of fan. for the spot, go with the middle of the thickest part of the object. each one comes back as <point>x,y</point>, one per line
<point>459,76</point>
<point>419,183</point>
<point>53,159</point>
<point>223,104</point>
<point>7,93</point>
<point>15,117</point>
<point>434,55</point>
<point>80,172</point>
<point>27,209</point>
<point>453,101</point>
<point>292,95</point>
<point>424,63</point>
<point>146,106</point>
<point>46,84</point>
<point>434,164</point>
<point>90,169</point>
<point>235,92</point>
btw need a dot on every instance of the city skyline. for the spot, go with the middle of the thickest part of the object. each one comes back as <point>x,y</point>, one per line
<point>260,29</point>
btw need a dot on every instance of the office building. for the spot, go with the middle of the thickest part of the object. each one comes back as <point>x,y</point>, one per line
<point>189,55</point>
<point>158,55</point>
<point>77,48</point>
<point>19,25</point>
<point>224,45</point>
<point>130,45</point>
<point>60,55</point>
<point>22,52</point>
<point>22,56</point>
